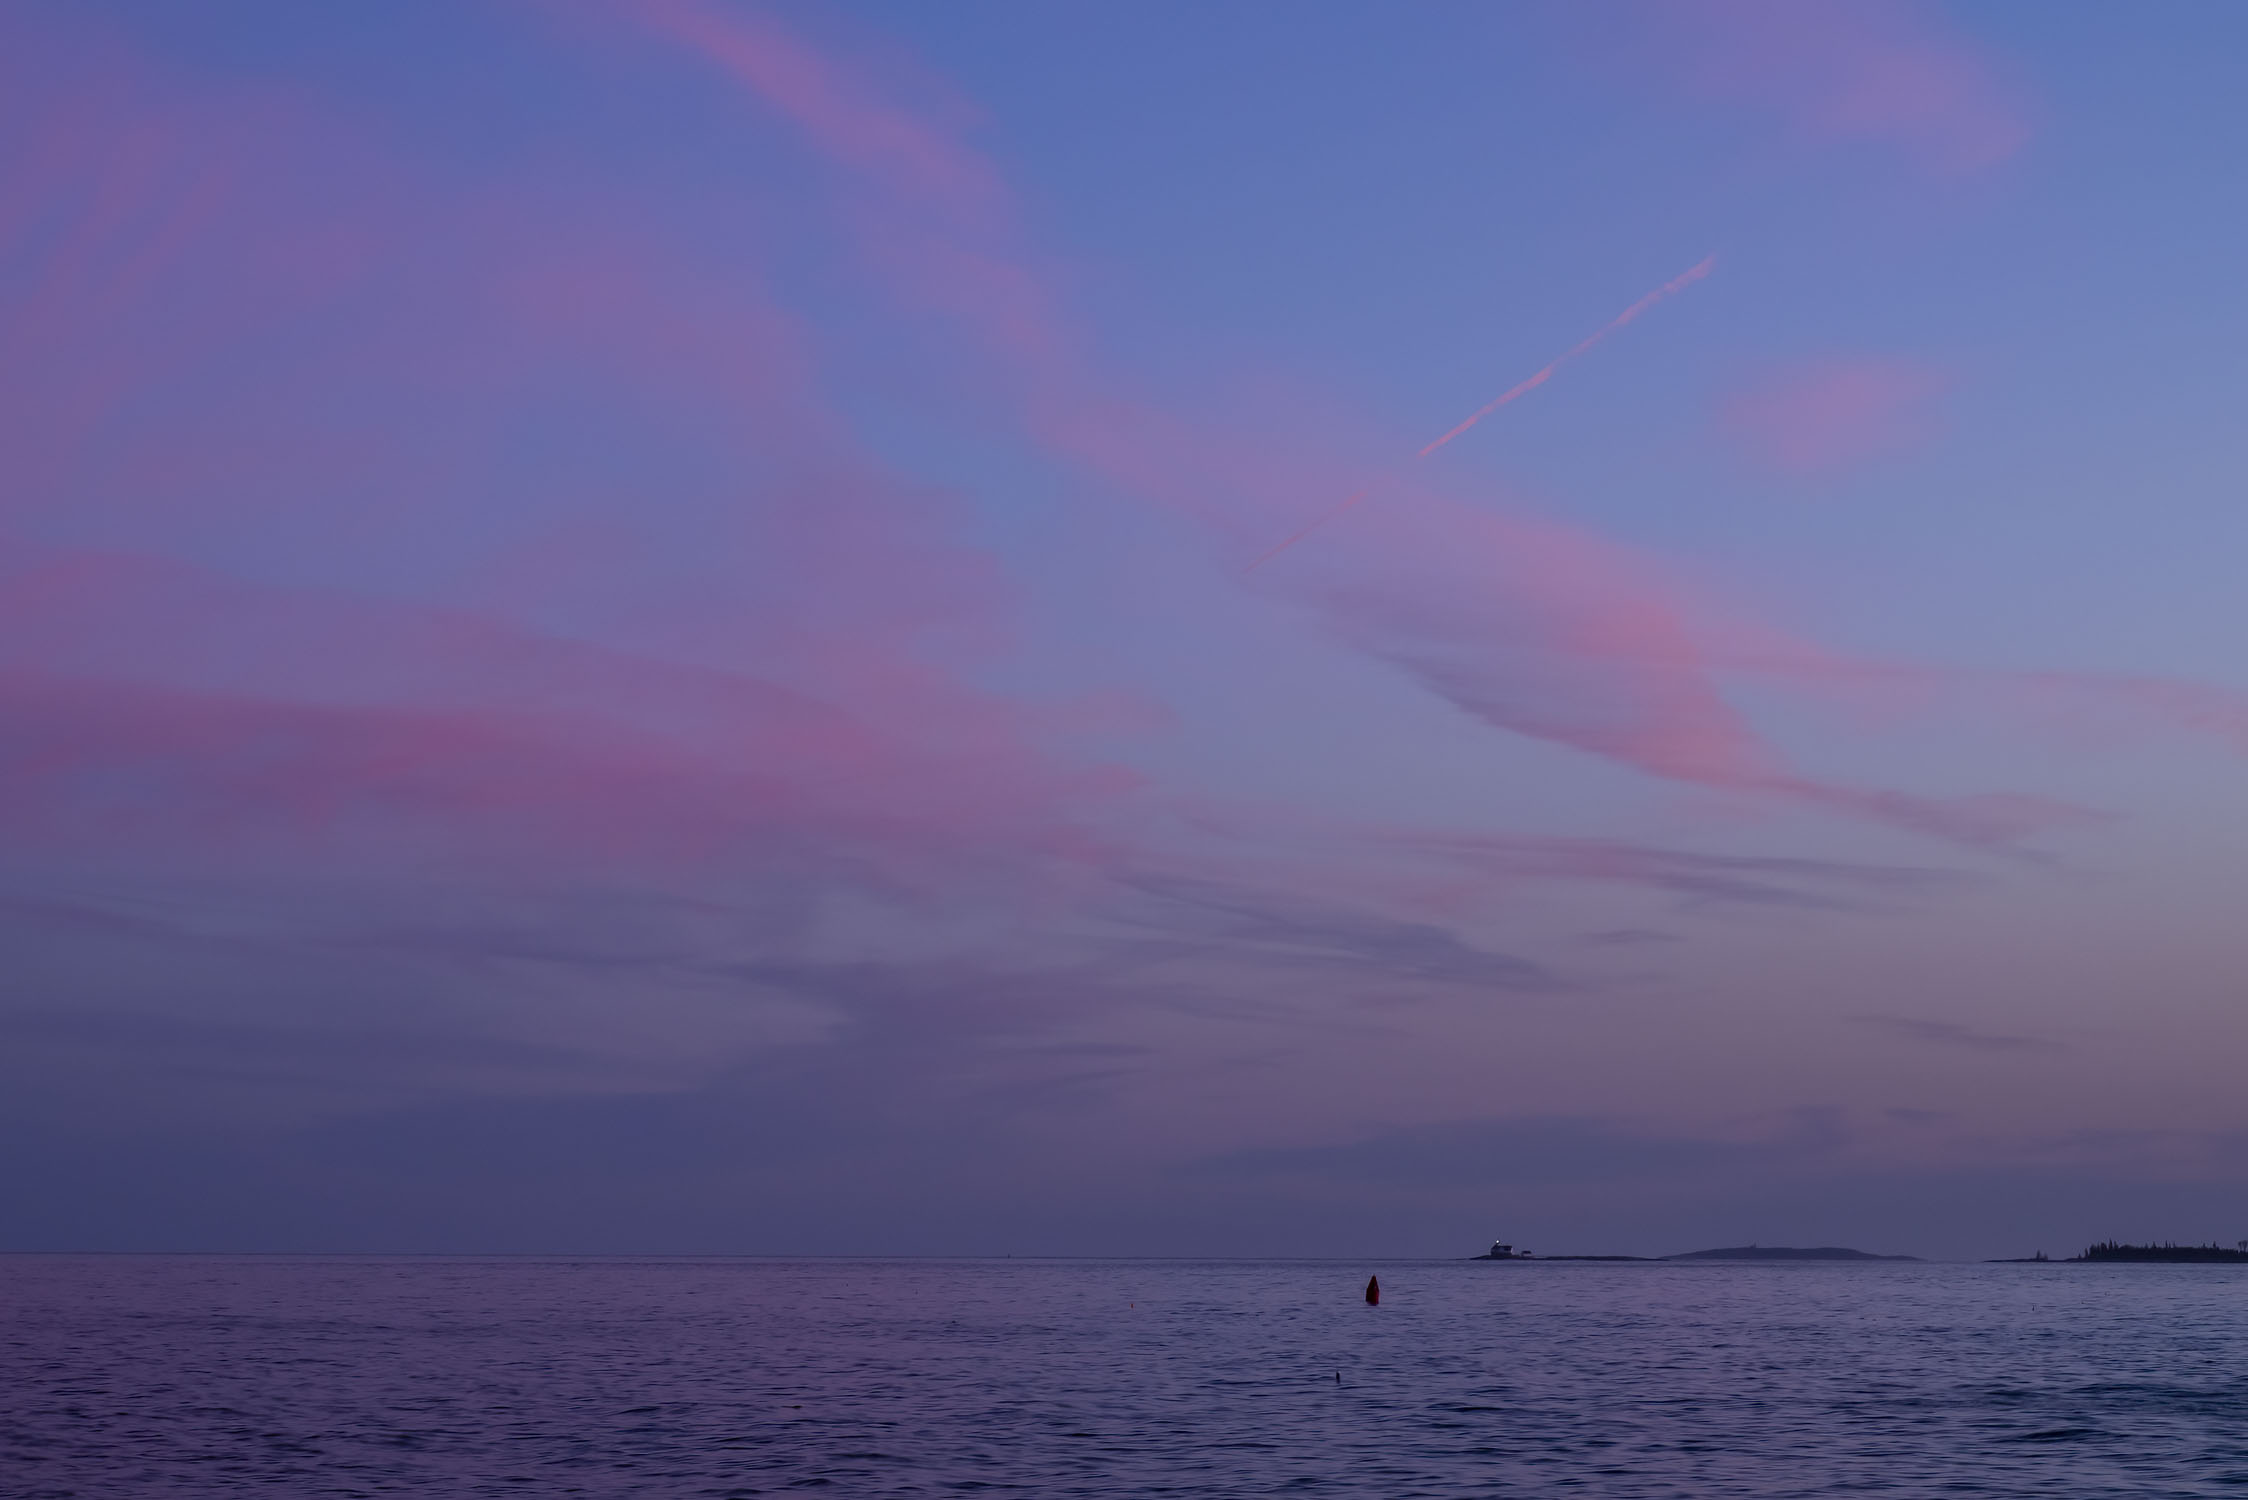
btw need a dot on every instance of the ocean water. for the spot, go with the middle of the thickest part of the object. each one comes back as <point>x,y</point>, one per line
<point>126,1377</point>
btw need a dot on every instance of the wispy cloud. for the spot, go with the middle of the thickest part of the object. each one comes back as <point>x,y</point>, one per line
<point>1842,72</point>
<point>1282,928</point>
<point>492,607</point>
<point>1826,416</point>
<point>1530,625</point>
<point>1528,1152</point>
<point>1630,937</point>
<point>1755,880</point>
<point>1954,1034</point>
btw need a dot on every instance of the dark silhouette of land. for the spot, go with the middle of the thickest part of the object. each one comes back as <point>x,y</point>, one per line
<point>1785,1252</point>
<point>2210,1254</point>
<point>1734,1252</point>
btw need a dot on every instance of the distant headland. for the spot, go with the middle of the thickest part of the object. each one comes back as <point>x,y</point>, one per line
<point>2107,1250</point>
<point>1732,1252</point>
<point>1785,1252</point>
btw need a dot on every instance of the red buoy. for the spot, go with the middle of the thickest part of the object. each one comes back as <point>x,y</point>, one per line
<point>1373,1291</point>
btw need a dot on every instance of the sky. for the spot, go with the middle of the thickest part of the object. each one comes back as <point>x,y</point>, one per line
<point>676,626</point>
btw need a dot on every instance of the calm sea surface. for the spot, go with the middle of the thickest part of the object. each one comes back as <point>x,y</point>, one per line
<point>128,1377</point>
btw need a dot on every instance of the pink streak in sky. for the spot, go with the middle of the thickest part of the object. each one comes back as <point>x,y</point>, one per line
<point>840,110</point>
<point>264,718</point>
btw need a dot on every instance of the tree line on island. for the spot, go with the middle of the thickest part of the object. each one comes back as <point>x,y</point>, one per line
<point>2166,1252</point>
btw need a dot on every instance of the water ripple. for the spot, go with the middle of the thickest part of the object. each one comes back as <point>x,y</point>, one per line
<point>125,1378</point>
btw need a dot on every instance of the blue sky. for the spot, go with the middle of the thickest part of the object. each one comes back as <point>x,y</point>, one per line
<point>641,626</point>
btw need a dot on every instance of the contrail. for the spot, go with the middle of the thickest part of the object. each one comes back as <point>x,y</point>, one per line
<point>1675,284</point>
<point>1669,288</point>
<point>1307,531</point>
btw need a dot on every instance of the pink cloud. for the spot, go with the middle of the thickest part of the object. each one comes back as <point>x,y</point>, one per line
<point>1842,72</point>
<point>811,641</point>
<point>1533,626</point>
<point>338,389</point>
<point>1546,631</point>
<point>144,705</point>
<point>1540,629</point>
<point>1824,416</point>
